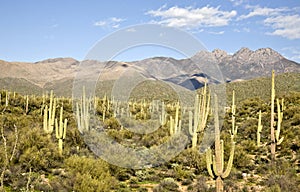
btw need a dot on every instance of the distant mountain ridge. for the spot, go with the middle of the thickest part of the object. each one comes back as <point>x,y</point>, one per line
<point>191,72</point>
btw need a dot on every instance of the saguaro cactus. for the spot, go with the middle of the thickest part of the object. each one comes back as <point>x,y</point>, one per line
<point>215,163</point>
<point>201,112</point>
<point>175,124</point>
<point>163,116</point>
<point>6,98</point>
<point>275,134</point>
<point>259,129</point>
<point>233,110</point>
<point>279,121</point>
<point>49,115</point>
<point>82,113</point>
<point>60,131</point>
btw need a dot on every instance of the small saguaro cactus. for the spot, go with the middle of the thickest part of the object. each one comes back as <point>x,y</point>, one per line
<point>215,163</point>
<point>60,131</point>
<point>259,129</point>
<point>49,115</point>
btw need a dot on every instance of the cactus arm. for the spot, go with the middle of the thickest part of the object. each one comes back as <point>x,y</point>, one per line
<point>230,161</point>
<point>209,162</point>
<point>222,156</point>
<point>191,123</point>
<point>259,128</point>
<point>280,116</point>
<point>171,126</point>
<point>65,128</point>
<point>233,111</point>
<point>45,123</point>
<point>60,130</point>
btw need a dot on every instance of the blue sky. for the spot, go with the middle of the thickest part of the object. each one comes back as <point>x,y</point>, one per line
<point>34,30</point>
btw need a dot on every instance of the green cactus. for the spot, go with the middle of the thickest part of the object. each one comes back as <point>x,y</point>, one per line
<point>279,121</point>
<point>275,134</point>
<point>175,124</point>
<point>49,115</point>
<point>273,142</point>
<point>6,98</point>
<point>82,113</point>
<point>259,129</point>
<point>26,104</point>
<point>233,110</point>
<point>60,130</point>
<point>201,112</point>
<point>215,163</point>
<point>163,116</point>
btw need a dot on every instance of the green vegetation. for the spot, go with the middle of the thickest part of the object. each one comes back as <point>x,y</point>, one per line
<point>31,159</point>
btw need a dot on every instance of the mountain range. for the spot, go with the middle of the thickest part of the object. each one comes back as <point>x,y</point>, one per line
<point>215,67</point>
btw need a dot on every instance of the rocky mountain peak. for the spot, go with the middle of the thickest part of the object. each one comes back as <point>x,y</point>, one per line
<point>219,54</point>
<point>243,54</point>
<point>56,60</point>
<point>266,54</point>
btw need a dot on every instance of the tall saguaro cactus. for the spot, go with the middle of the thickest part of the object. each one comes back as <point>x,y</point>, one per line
<point>82,113</point>
<point>60,131</point>
<point>49,115</point>
<point>175,124</point>
<point>201,112</point>
<point>233,110</point>
<point>259,129</point>
<point>163,115</point>
<point>275,134</point>
<point>215,163</point>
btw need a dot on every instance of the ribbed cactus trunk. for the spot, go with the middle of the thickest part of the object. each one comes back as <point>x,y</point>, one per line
<point>273,142</point>
<point>215,162</point>
<point>60,131</point>
<point>219,184</point>
<point>49,115</point>
<point>198,123</point>
<point>259,129</point>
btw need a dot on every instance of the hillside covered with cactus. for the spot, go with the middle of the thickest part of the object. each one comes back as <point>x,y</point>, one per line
<point>48,142</point>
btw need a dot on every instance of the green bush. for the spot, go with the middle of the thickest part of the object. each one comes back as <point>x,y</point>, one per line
<point>90,174</point>
<point>167,185</point>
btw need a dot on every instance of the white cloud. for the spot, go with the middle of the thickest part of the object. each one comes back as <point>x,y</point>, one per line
<point>192,18</point>
<point>217,33</point>
<point>112,22</point>
<point>237,2</point>
<point>283,21</point>
<point>262,11</point>
<point>287,26</point>
<point>293,52</point>
<point>100,23</point>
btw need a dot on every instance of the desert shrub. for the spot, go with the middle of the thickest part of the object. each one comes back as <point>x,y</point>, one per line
<point>199,186</point>
<point>37,150</point>
<point>112,123</point>
<point>193,159</point>
<point>241,159</point>
<point>181,173</point>
<point>166,185</point>
<point>90,174</point>
<point>283,174</point>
